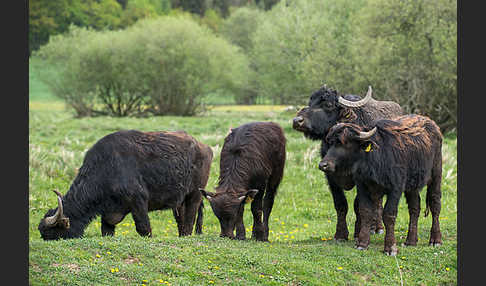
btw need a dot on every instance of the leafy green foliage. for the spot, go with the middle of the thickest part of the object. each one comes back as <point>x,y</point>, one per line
<point>301,44</point>
<point>240,26</point>
<point>406,50</point>
<point>157,66</point>
<point>239,29</point>
<point>48,18</point>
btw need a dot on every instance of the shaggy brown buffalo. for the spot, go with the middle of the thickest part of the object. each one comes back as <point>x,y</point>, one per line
<point>251,168</point>
<point>397,156</point>
<point>326,109</point>
<point>133,172</point>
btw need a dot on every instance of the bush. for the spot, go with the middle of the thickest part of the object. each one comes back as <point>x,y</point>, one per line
<point>157,66</point>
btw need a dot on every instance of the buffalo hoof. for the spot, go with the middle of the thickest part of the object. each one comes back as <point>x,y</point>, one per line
<point>340,237</point>
<point>435,240</point>
<point>258,238</point>
<point>407,244</point>
<point>379,231</point>
<point>393,251</point>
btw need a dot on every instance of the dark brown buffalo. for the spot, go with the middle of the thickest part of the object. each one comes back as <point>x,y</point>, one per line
<point>327,108</point>
<point>251,168</point>
<point>397,156</point>
<point>133,172</point>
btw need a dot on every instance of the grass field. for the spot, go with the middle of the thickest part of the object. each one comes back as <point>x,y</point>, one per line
<point>303,220</point>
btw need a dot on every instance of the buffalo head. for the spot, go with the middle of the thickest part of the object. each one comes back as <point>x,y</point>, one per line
<point>55,225</point>
<point>346,142</point>
<point>325,109</point>
<point>228,207</point>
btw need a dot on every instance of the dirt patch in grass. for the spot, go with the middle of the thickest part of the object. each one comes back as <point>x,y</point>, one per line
<point>70,266</point>
<point>131,260</point>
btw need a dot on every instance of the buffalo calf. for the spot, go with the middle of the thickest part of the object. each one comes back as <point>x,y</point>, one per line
<point>133,172</point>
<point>251,168</point>
<point>396,156</point>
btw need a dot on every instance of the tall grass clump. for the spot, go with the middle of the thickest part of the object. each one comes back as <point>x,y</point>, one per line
<point>157,66</point>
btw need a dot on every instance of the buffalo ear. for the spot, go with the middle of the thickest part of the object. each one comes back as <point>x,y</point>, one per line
<point>207,195</point>
<point>248,197</point>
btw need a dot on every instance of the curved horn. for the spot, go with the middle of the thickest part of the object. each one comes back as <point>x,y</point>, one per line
<point>358,103</point>
<point>367,135</point>
<point>52,220</point>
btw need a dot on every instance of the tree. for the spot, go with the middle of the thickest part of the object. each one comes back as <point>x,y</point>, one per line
<point>302,44</point>
<point>408,51</point>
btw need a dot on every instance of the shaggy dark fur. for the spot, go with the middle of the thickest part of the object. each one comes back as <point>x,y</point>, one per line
<point>315,120</point>
<point>402,156</point>
<point>251,168</point>
<point>135,172</point>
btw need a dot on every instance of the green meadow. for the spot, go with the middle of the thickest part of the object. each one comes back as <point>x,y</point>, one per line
<point>301,250</point>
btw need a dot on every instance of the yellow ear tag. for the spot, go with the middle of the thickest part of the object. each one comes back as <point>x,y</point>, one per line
<point>368,149</point>
<point>248,199</point>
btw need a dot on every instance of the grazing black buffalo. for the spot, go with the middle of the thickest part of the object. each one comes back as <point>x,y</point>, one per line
<point>397,156</point>
<point>251,166</point>
<point>133,172</point>
<point>327,108</point>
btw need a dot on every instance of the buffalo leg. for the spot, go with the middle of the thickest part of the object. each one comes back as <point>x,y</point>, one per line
<point>240,226</point>
<point>413,202</point>
<point>199,220</point>
<point>389,216</point>
<point>140,217</point>
<point>179,214</point>
<point>256,210</point>
<point>378,225</point>
<point>366,214</point>
<point>271,191</point>
<point>267,209</point>
<point>433,198</point>
<point>109,222</point>
<point>341,206</point>
<point>357,224</point>
<point>107,229</point>
<point>191,207</point>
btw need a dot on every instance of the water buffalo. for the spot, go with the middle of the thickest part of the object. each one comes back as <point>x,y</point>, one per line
<point>327,108</point>
<point>251,168</point>
<point>133,172</point>
<point>397,156</point>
